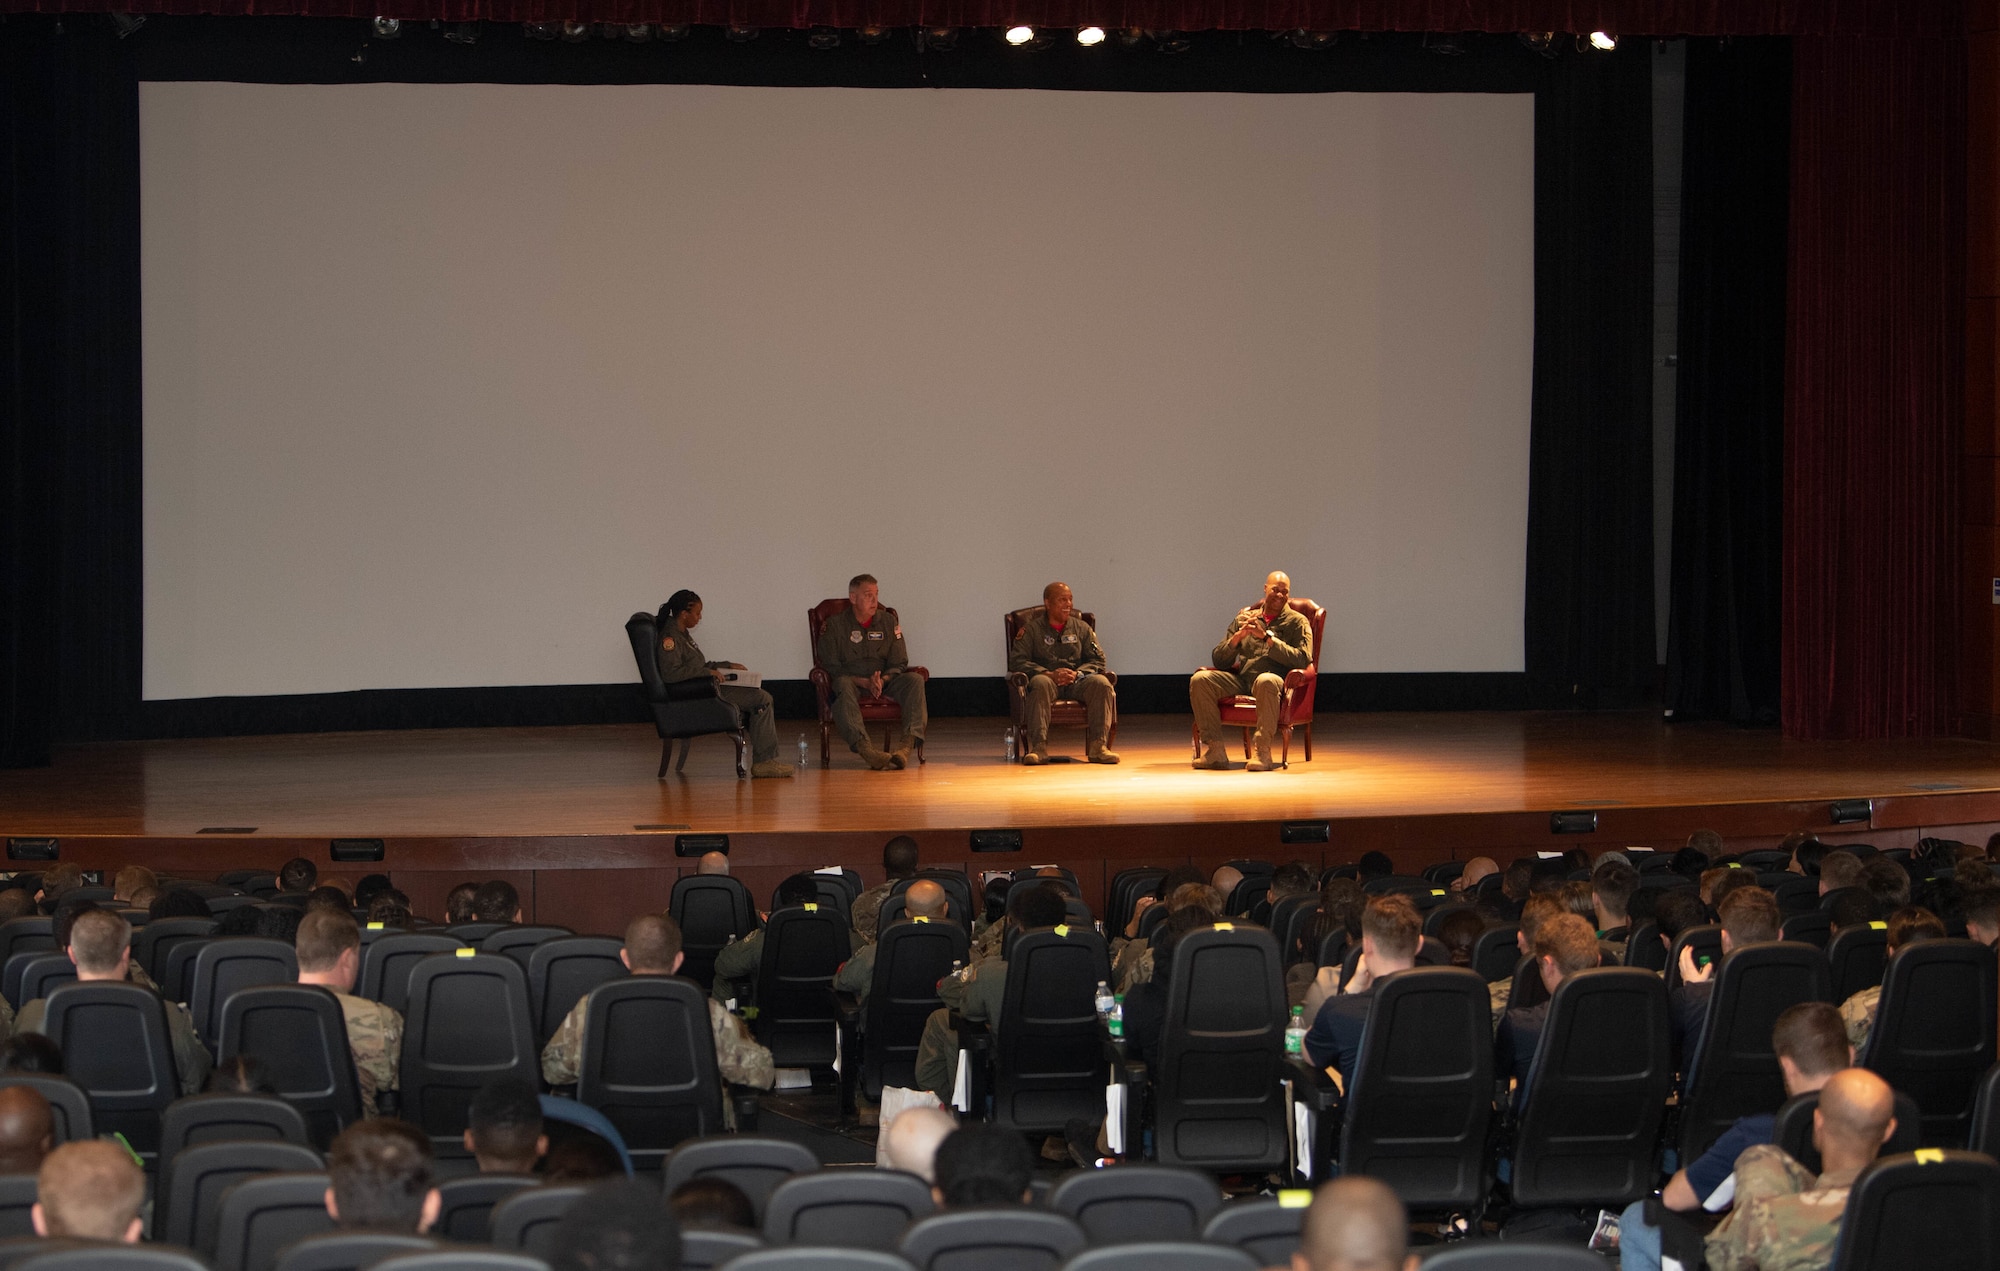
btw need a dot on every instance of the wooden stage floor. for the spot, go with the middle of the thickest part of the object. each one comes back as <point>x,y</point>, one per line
<point>576,818</point>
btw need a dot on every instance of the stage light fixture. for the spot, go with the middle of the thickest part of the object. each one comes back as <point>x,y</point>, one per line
<point>824,37</point>
<point>34,849</point>
<point>671,32</point>
<point>639,33</point>
<point>357,851</point>
<point>574,32</point>
<point>1603,41</point>
<point>1312,41</point>
<point>1172,41</point>
<point>741,34</point>
<point>1090,36</point>
<point>462,33</point>
<point>386,28</point>
<point>1019,35</point>
<point>941,38</point>
<point>1543,42</point>
<point>872,34</point>
<point>1131,37</point>
<point>127,23</point>
<point>1444,45</point>
<point>541,30</point>
<point>1850,811</point>
<point>1572,822</point>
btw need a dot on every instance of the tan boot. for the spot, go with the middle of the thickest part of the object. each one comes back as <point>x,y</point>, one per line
<point>1035,755</point>
<point>876,759</point>
<point>1261,762</point>
<point>1213,756</point>
<point>1096,753</point>
<point>771,768</point>
<point>900,756</point>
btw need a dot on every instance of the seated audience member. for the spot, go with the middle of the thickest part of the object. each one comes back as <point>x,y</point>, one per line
<point>31,1053</point>
<point>1293,878</point>
<point>392,909</point>
<point>912,1139</point>
<point>371,886</point>
<point>241,1074</point>
<point>27,1129</point>
<point>1355,1224</point>
<point>1887,885</point>
<point>713,864</point>
<point>977,991</point>
<point>1709,844</point>
<point>503,1129</point>
<point>736,964</point>
<point>1577,898</point>
<point>899,861</point>
<point>581,1157</point>
<point>653,947</point>
<point>1732,878</point>
<point>458,903</point>
<point>1564,945</point>
<point>1690,862</point>
<point>926,900</point>
<point>1341,901</point>
<point>177,902</point>
<point>1390,933</point>
<point>1784,1216</point>
<point>1806,853</point>
<point>379,1173</point>
<point>1475,870</point>
<point>1837,869</point>
<point>326,896</point>
<point>1134,963</point>
<point>1177,877</point>
<point>1224,880</point>
<point>1145,1013</point>
<point>90,1191</point>
<point>1458,933</point>
<point>1749,916</point>
<point>1538,910</point>
<point>1611,888</point>
<point>1504,905</point>
<point>297,876</point>
<point>1906,926</point>
<point>496,901</point>
<point>622,1225</point>
<point>19,902</point>
<point>1982,914</point>
<point>982,1164</point>
<point>1811,1045</point>
<point>1374,865</point>
<point>57,883</point>
<point>127,883</point>
<point>329,954</point>
<point>712,1204</point>
<point>1851,908</point>
<point>100,945</point>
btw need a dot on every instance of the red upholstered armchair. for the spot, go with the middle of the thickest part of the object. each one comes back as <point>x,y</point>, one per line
<point>1067,714</point>
<point>881,711</point>
<point>1295,704</point>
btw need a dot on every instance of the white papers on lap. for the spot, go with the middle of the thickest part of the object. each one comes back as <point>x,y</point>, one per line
<point>1114,1118</point>
<point>743,679</point>
<point>961,1086</point>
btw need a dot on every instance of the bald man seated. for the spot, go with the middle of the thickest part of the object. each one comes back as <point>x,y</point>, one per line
<point>924,900</point>
<point>1355,1224</point>
<point>90,1191</point>
<point>911,1141</point>
<point>712,863</point>
<point>1265,641</point>
<point>27,1130</point>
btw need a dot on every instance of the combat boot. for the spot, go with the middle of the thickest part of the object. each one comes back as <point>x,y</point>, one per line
<point>1213,756</point>
<point>771,768</point>
<point>876,759</point>
<point>1094,751</point>
<point>900,756</point>
<point>1035,754</point>
<point>1261,762</point>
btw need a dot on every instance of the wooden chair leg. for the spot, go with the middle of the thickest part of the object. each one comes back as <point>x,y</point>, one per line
<point>825,742</point>
<point>1248,753</point>
<point>741,744</point>
<point>1285,746</point>
<point>666,753</point>
<point>1309,739</point>
<point>687,744</point>
<point>1197,742</point>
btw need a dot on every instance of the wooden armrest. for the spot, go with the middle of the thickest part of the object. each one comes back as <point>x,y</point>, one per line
<point>918,670</point>
<point>1297,679</point>
<point>1017,679</point>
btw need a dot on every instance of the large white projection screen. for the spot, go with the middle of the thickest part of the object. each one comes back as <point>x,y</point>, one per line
<point>442,382</point>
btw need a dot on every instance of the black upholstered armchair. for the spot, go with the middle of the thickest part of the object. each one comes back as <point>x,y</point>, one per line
<point>681,711</point>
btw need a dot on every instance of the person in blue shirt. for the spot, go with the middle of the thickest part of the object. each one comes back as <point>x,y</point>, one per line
<point>1390,934</point>
<point>1811,1043</point>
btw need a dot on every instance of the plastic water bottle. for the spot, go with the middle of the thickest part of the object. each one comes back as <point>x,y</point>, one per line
<point>1008,753</point>
<point>802,750</point>
<point>1115,1021</point>
<point>1105,1000</point>
<point>1295,1032</point>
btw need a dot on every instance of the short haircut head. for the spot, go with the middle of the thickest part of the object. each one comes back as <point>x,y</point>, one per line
<point>1613,884</point>
<point>1201,894</point>
<point>1355,1224</point>
<point>1855,1107</point>
<point>1808,852</point>
<point>297,874</point>
<point>1676,910</point>
<point>1731,880</point>
<point>1538,910</point>
<point>27,1127</point>
<point>241,1074</point>
<point>178,902</point>
<point>458,902</point>
<point>1177,877</point>
<point>31,1052</point>
<point>1038,907</point>
<point>1851,908</point>
<point>98,940</point>
<point>1518,878</point>
<point>652,942</point>
<point>1911,924</point>
<point>1458,932</point>
<point>496,901</point>
<point>1049,592</point>
<point>622,1225</point>
<point>1708,843</point>
<point>18,902</point>
<point>1749,915</point>
<point>983,1164</point>
<point>1886,882</point>
<point>505,1118</point>
<point>859,581</point>
<point>1982,905</point>
<point>1569,940</point>
<point>90,1190</point>
<point>64,920</point>
<point>381,1171</point>
<point>1575,897</point>
<point>1293,878</point>
<point>133,878</point>
<point>1392,923</point>
<point>899,856</point>
<point>713,1202</point>
<point>325,934</point>
<point>926,899</point>
<point>1839,868</point>
<point>371,886</point>
<point>327,896</point>
<point>1375,865</point>
<point>799,889</point>
<point>1813,1036</point>
<point>60,880</point>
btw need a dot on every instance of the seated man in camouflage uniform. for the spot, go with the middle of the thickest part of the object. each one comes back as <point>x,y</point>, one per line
<point>899,861</point>
<point>976,992</point>
<point>653,947</point>
<point>861,648</point>
<point>1059,654</point>
<point>100,944</point>
<point>925,899</point>
<point>329,952</point>
<point>1263,642</point>
<point>736,965</point>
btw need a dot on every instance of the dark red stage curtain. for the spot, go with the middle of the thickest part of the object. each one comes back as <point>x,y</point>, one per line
<point>1632,17</point>
<point>1874,374</point>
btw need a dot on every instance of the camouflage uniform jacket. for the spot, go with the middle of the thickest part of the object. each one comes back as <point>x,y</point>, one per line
<point>738,1057</point>
<point>988,943</point>
<point>1287,645</point>
<point>848,648</point>
<point>191,1059</point>
<point>857,974</point>
<point>866,912</point>
<point>375,1036</point>
<point>1133,966</point>
<point>678,657</point>
<point>1784,1219</point>
<point>1858,1013</point>
<point>977,992</point>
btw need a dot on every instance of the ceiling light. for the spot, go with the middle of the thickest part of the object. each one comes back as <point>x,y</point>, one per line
<point>1019,35</point>
<point>1603,41</point>
<point>386,28</point>
<point>1090,36</point>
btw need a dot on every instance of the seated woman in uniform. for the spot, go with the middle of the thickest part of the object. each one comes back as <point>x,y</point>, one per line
<point>680,659</point>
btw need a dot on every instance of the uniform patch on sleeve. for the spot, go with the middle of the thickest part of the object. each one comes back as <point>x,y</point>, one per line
<point>899,633</point>
<point>854,637</point>
<point>667,642</point>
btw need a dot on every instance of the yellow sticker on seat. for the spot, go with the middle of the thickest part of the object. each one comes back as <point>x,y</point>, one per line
<point>1929,1156</point>
<point>375,926</point>
<point>812,906</point>
<point>1879,926</point>
<point>919,918</point>
<point>1295,1198</point>
<point>1225,926</point>
<point>1063,930</point>
<point>466,953</point>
